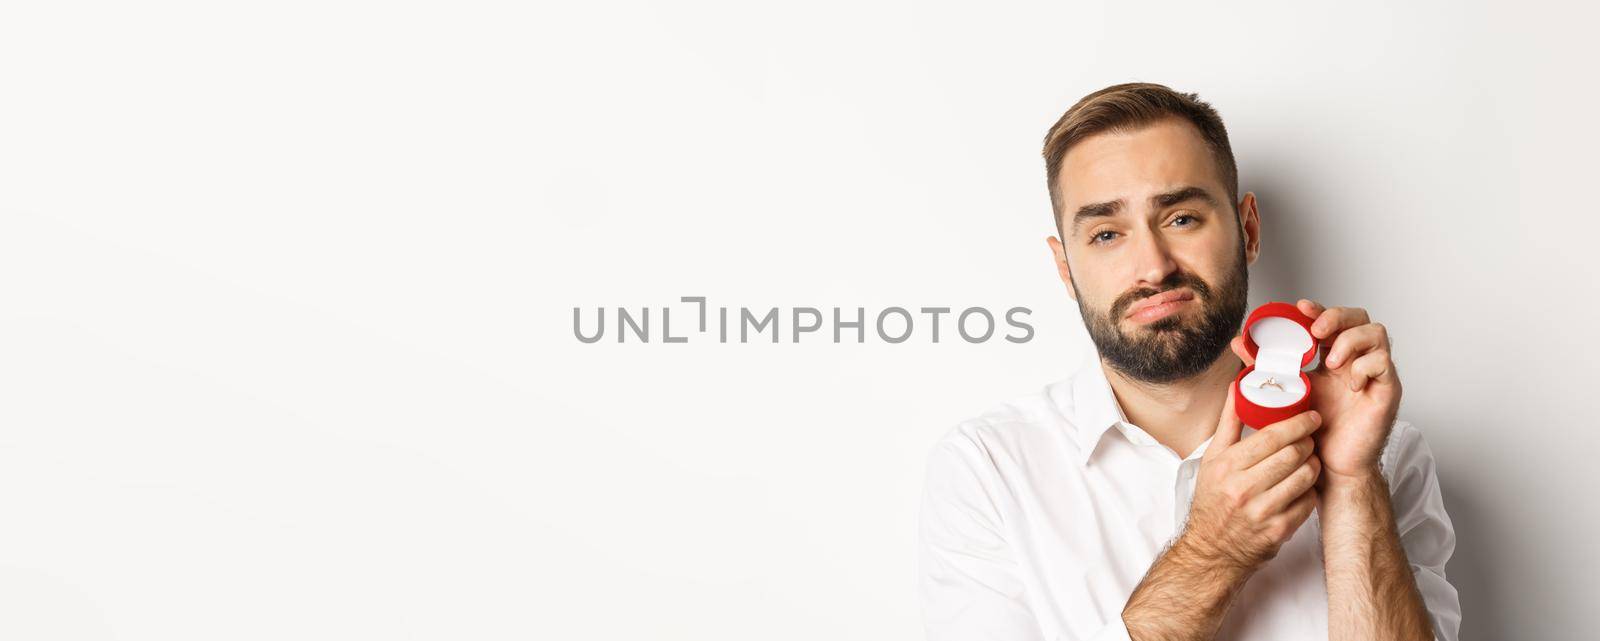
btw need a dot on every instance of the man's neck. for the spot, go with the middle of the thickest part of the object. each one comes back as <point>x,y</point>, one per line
<point>1182,414</point>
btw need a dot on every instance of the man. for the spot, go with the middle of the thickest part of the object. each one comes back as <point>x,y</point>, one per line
<point>1127,501</point>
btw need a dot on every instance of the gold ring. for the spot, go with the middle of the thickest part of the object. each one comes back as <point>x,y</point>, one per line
<point>1271,382</point>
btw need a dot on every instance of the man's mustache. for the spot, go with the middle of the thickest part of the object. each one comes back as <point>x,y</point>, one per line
<point>1127,300</point>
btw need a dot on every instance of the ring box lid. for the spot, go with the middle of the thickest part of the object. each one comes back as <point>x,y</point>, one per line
<point>1278,336</point>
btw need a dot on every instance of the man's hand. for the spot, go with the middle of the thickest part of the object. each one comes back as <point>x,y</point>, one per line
<point>1250,497</point>
<point>1371,591</point>
<point>1253,494</point>
<point>1355,388</point>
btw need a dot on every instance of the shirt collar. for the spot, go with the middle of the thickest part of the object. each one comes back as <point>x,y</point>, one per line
<point>1095,409</point>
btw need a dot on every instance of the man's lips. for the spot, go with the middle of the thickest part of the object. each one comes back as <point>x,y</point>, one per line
<point>1169,296</point>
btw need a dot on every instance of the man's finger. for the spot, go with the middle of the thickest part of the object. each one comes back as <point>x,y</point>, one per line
<point>1278,497</point>
<point>1312,309</point>
<point>1273,469</point>
<point>1337,319</point>
<point>1228,427</point>
<point>1352,343</point>
<point>1239,350</point>
<point>1299,510</point>
<point>1374,365</point>
<point>1277,436</point>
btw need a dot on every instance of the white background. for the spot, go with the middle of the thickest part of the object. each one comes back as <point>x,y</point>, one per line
<point>286,294</point>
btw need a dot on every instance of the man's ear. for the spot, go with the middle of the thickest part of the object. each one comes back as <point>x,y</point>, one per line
<point>1250,224</point>
<point>1059,253</point>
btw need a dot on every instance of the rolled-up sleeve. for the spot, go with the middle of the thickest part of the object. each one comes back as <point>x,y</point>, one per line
<point>1425,529</point>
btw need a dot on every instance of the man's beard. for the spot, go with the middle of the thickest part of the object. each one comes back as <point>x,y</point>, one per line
<point>1172,348</point>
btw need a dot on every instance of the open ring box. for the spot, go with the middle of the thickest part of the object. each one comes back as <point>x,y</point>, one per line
<point>1279,337</point>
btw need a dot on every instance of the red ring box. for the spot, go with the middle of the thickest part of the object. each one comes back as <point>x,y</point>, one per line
<point>1279,338</point>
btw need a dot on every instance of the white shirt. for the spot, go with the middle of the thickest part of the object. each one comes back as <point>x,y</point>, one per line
<point>1041,516</point>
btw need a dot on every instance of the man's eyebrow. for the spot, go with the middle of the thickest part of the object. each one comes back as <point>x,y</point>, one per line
<point>1096,210</point>
<point>1179,195</point>
<point>1159,201</point>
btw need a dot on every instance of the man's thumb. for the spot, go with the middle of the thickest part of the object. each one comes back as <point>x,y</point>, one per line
<point>1228,424</point>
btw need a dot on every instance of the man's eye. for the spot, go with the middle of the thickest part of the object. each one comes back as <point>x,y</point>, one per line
<point>1181,217</point>
<point>1102,237</point>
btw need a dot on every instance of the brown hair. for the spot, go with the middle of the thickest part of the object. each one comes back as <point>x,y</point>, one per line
<point>1128,107</point>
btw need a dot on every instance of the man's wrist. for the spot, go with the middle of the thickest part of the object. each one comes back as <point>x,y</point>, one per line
<point>1334,484</point>
<point>1186,592</point>
<point>1201,552</point>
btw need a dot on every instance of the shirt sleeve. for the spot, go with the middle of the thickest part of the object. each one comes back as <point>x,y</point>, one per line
<point>1425,529</point>
<point>970,585</point>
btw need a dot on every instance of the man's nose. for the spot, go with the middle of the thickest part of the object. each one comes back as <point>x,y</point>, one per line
<point>1152,260</point>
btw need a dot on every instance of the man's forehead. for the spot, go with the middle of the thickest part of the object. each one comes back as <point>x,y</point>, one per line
<point>1136,165</point>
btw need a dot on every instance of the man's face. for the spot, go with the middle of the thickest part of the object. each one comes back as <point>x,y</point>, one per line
<point>1153,250</point>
